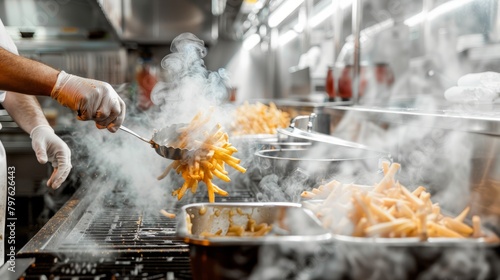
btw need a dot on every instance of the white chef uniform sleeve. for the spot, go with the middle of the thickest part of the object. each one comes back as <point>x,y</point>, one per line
<point>6,43</point>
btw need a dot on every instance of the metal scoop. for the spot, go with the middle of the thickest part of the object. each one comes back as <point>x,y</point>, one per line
<point>161,139</point>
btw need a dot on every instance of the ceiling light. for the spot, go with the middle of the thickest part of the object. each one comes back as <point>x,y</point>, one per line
<point>415,20</point>
<point>251,41</point>
<point>283,11</point>
<point>288,36</point>
<point>327,11</point>
<point>322,15</point>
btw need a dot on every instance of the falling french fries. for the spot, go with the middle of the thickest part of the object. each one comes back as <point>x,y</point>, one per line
<point>211,153</point>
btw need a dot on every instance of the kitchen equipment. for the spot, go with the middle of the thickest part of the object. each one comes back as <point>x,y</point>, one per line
<point>293,132</point>
<point>247,146</point>
<point>326,156</point>
<point>254,138</point>
<point>102,234</point>
<point>319,162</point>
<point>161,139</point>
<point>236,257</point>
<point>253,142</point>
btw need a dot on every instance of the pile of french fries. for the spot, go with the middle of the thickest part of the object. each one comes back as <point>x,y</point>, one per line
<point>387,209</point>
<point>211,152</point>
<point>259,118</point>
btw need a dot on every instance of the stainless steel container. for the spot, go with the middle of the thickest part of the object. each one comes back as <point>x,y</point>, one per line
<point>235,257</point>
<point>247,146</point>
<point>320,162</point>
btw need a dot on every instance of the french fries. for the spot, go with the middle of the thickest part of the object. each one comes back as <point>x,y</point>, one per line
<point>167,214</point>
<point>211,153</point>
<point>250,229</point>
<point>388,209</point>
<point>259,118</point>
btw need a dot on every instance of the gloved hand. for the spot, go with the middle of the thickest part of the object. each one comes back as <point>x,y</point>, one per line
<point>49,147</point>
<point>91,99</point>
<point>479,87</point>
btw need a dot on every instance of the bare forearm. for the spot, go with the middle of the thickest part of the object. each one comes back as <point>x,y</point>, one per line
<point>25,110</point>
<point>24,75</point>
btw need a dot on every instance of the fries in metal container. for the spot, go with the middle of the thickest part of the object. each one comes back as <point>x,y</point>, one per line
<point>387,209</point>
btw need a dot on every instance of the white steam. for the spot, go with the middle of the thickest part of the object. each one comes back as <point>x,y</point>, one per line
<point>187,86</point>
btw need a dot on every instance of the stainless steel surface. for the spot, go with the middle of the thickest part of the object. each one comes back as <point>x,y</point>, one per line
<point>285,145</point>
<point>160,21</point>
<point>338,21</point>
<point>16,273</point>
<point>255,138</point>
<point>301,85</point>
<point>94,60</point>
<point>79,23</point>
<point>64,220</point>
<point>164,139</point>
<point>415,241</point>
<point>337,154</point>
<point>357,7</point>
<point>294,132</point>
<point>239,257</point>
<point>485,119</point>
<point>290,223</point>
<point>105,219</point>
<point>494,34</point>
<point>124,128</point>
<point>317,163</point>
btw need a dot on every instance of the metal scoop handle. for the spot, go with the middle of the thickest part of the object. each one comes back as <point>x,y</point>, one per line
<point>126,129</point>
<point>164,135</point>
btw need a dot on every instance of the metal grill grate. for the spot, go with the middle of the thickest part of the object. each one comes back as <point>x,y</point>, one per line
<point>118,241</point>
<point>132,267</point>
<point>117,228</point>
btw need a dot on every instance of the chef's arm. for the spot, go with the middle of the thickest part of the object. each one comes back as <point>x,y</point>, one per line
<point>25,75</point>
<point>27,113</point>
<point>25,110</point>
<point>90,99</point>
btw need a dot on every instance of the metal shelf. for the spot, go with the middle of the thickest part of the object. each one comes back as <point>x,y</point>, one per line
<point>480,120</point>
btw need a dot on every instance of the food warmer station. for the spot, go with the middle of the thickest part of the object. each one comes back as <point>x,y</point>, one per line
<point>101,233</point>
<point>393,187</point>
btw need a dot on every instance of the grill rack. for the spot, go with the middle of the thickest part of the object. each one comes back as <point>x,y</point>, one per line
<point>118,241</point>
<point>123,267</point>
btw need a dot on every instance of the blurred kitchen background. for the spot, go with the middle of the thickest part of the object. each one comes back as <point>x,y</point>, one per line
<point>403,53</point>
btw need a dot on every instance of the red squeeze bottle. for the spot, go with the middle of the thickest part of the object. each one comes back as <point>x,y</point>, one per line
<point>345,90</point>
<point>330,84</point>
<point>345,83</point>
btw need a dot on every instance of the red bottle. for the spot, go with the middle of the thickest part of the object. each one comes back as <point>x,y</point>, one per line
<point>345,83</point>
<point>330,84</point>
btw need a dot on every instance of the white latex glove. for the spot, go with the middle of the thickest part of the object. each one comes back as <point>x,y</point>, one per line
<point>479,87</point>
<point>49,147</point>
<point>91,99</point>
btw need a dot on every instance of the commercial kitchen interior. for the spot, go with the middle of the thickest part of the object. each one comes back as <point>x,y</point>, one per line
<point>390,62</point>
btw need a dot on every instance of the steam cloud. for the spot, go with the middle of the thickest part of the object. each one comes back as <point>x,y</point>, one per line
<point>187,87</point>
